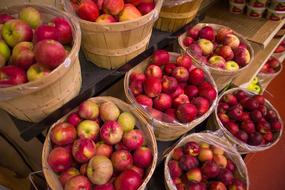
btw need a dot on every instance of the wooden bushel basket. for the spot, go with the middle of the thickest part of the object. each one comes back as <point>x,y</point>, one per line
<point>112,45</point>
<point>266,78</point>
<point>52,178</point>
<point>212,139</point>
<point>221,77</point>
<point>35,100</point>
<point>175,17</point>
<point>165,131</point>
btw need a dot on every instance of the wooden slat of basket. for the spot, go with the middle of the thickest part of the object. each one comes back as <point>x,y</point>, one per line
<point>52,178</point>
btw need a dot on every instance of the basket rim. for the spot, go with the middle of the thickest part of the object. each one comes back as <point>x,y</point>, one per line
<point>166,124</point>
<point>158,5</point>
<point>74,50</point>
<point>138,117</point>
<point>251,51</point>
<point>236,140</point>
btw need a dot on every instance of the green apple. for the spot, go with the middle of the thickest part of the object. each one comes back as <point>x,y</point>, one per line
<point>255,80</point>
<point>31,16</point>
<point>232,66</point>
<point>127,121</point>
<point>254,88</point>
<point>4,53</point>
<point>37,71</point>
<point>217,61</point>
<point>206,45</point>
<point>15,31</point>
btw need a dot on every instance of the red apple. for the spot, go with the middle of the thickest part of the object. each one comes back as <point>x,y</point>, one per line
<point>217,185</point>
<point>207,32</point>
<point>113,7</point>
<point>268,136</point>
<point>67,175</point>
<point>231,40</point>
<point>168,68</point>
<point>205,154</point>
<point>138,170</point>
<point>59,159</point>
<point>242,135</point>
<point>208,93</point>
<point>99,170</point>
<point>177,153</point>
<point>202,105</point>
<point>136,87</point>
<point>220,159</point>
<point>230,165</point>
<point>111,132</point>
<point>143,157</point>
<point>88,129</point>
<point>137,76</point>
<point>255,139</point>
<point>88,10</point>
<point>196,76</point>
<point>222,32</point>
<point>194,175</point>
<point>196,186</point>
<point>236,113</point>
<point>145,8</point>
<point>121,160</point>
<point>15,31</point>
<point>152,87</point>
<point>191,91</point>
<point>242,56</point>
<point>78,182</point>
<point>240,95</point>
<point>210,169</point>
<point>226,176</point>
<point>133,139</point>
<point>153,71</point>
<point>193,32</point>
<point>109,111</point>
<point>226,52</point>
<point>174,169</point>
<point>169,84</point>
<point>180,100</point>
<point>276,126</point>
<point>5,17</point>
<point>22,55</point>
<point>88,110</point>
<point>120,146</point>
<point>162,102</point>
<point>184,61</point>
<point>181,74</point>
<point>128,180</point>
<point>248,126</point>
<point>50,53</point>
<point>106,186</point>
<point>63,134</point>
<point>73,119</point>
<point>186,113</point>
<point>188,162</point>
<point>224,118</point>
<point>192,148</point>
<point>237,185</point>
<point>178,91</point>
<point>271,115</point>
<point>187,41</point>
<point>144,100</point>
<point>130,12</point>
<point>64,30</point>
<point>232,127</point>
<point>160,57</point>
<point>103,149</point>
<point>105,18</point>
<point>196,50</point>
<point>134,2</point>
<point>11,75</point>
<point>217,61</point>
<point>83,150</point>
<point>46,32</point>
<point>223,107</point>
<point>251,104</point>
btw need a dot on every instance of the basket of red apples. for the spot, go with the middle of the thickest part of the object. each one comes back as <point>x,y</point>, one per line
<point>249,121</point>
<point>269,71</point>
<point>173,93</point>
<point>204,161</point>
<point>102,144</point>
<point>39,65</point>
<point>225,52</point>
<point>114,31</point>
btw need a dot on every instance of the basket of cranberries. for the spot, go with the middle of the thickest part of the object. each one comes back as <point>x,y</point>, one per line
<point>205,161</point>
<point>248,120</point>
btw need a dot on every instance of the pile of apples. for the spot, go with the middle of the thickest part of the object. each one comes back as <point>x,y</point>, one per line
<point>29,48</point>
<point>220,49</point>
<point>99,146</point>
<point>248,118</point>
<point>110,11</point>
<point>280,48</point>
<point>271,66</point>
<point>200,166</point>
<point>172,91</point>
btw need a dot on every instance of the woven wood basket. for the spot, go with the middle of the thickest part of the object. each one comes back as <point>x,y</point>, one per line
<point>8,3</point>
<point>35,100</point>
<point>165,131</point>
<point>242,148</point>
<point>175,17</point>
<point>52,178</point>
<point>221,77</point>
<point>112,45</point>
<point>266,78</point>
<point>211,139</point>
